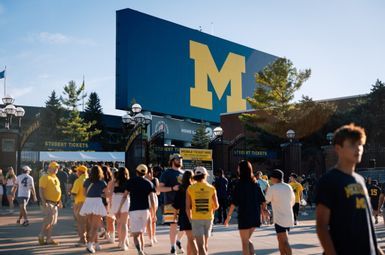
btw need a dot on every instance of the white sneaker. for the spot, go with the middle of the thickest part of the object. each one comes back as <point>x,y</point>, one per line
<point>111,238</point>
<point>90,248</point>
<point>98,247</point>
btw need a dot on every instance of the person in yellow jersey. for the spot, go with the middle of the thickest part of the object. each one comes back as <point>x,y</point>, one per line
<point>297,189</point>
<point>50,194</point>
<point>201,202</point>
<point>79,198</point>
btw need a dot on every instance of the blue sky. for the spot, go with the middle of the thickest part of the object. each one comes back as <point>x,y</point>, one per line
<point>46,43</point>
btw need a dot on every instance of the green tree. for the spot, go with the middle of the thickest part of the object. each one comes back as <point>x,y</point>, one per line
<point>94,111</point>
<point>50,119</point>
<point>272,100</point>
<point>73,126</point>
<point>200,139</point>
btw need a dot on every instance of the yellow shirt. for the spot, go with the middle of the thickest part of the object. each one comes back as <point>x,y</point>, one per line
<point>78,189</point>
<point>201,195</point>
<point>297,189</point>
<point>51,185</point>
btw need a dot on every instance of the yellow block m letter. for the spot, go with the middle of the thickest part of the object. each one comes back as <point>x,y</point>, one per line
<point>230,73</point>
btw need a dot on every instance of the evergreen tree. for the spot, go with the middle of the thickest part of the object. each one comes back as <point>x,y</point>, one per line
<point>73,126</point>
<point>200,139</point>
<point>94,111</point>
<point>51,116</point>
<point>272,100</point>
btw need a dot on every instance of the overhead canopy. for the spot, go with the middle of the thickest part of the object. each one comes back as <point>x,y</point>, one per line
<point>81,156</point>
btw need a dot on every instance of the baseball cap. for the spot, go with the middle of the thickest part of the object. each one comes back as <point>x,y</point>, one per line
<point>26,168</point>
<point>175,156</point>
<point>278,174</point>
<point>82,168</point>
<point>200,170</point>
<point>142,168</point>
<point>53,165</point>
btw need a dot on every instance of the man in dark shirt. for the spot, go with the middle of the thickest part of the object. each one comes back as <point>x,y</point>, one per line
<point>220,183</point>
<point>343,218</point>
<point>139,189</point>
<point>63,178</point>
<point>374,194</point>
<point>169,184</point>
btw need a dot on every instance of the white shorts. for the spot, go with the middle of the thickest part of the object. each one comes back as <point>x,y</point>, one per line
<point>138,220</point>
<point>116,200</point>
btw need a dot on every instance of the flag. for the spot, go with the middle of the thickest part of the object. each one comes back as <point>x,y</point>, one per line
<point>2,74</point>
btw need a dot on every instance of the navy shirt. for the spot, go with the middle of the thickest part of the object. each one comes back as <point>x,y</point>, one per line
<point>170,178</point>
<point>96,190</point>
<point>350,225</point>
<point>139,189</point>
<point>220,184</point>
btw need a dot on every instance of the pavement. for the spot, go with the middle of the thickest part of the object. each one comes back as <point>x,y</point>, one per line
<point>16,239</point>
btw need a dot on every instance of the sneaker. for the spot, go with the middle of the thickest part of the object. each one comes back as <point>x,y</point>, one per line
<point>90,248</point>
<point>295,222</point>
<point>53,242</point>
<point>125,247</point>
<point>98,247</point>
<point>25,223</point>
<point>111,238</point>
<point>155,240</point>
<point>41,240</point>
<point>173,251</point>
<point>179,247</point>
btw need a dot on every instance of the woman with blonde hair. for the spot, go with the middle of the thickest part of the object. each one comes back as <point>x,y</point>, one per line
<point>94,188</point>
<point>122,176</point>
<point>10,181</point>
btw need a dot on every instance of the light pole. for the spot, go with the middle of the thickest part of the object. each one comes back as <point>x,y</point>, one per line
<point>291,154</point>
<point>135,122</point>
<point>218,135</point>
<point>8,113</point>
<point>290,134</point>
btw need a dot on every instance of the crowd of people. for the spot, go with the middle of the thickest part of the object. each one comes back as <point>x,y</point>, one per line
<point>109,203</point>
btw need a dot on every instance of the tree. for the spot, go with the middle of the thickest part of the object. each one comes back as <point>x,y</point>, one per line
<point>200,139</point>
<point>51,116</point>
<point>94,111</point>
<point>275,112</point>
<point>73,126</point>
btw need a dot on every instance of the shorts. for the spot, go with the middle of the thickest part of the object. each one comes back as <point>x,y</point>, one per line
<point>116,200</point>
<point>201,227</point>
<point>280,229</point>
<point>8,189</point>
<point>50,214</point>
<point>138,220</point>
<point>169,214</point>
<point>374,205</point>
<point>23,200</point>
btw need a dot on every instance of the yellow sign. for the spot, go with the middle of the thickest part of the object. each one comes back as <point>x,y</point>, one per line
<point>229,75</point>
<point>196,154</point>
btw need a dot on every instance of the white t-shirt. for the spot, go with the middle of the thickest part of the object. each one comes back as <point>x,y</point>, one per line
<point>24,184</point>
<point>282,199</point>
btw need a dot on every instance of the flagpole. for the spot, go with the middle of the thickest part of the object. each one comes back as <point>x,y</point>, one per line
<point>83,92</point>
<point>5,81</point>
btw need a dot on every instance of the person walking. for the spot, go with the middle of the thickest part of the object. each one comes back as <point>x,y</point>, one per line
<point>221,183</point>
<point>10,180</point>
<point>79,199</point>
<point>50,195</point>
<point>93,208</point>
<point>374,194</point>
<point>24,186</point>
<point>201,203</point>
<point>169,184</point>
<point>298,192</point>
<point>343,218</point>
<point>248,197</point>
<point>109,230</point>
<point>120,182</point>
<point>139,189</point>
<point>2,182</point>
<point>180,205</point>
<point>282,199</point>
<point>151,225</point>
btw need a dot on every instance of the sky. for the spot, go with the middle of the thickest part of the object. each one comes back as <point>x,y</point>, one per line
<point>46,43</point>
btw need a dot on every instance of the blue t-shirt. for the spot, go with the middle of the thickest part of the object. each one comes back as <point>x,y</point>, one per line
<point>96,190</point>
<point>170,178</point>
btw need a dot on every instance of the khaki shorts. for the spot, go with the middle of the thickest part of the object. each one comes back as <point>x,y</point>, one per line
<point>201,227</point>
<point>50,214</point>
